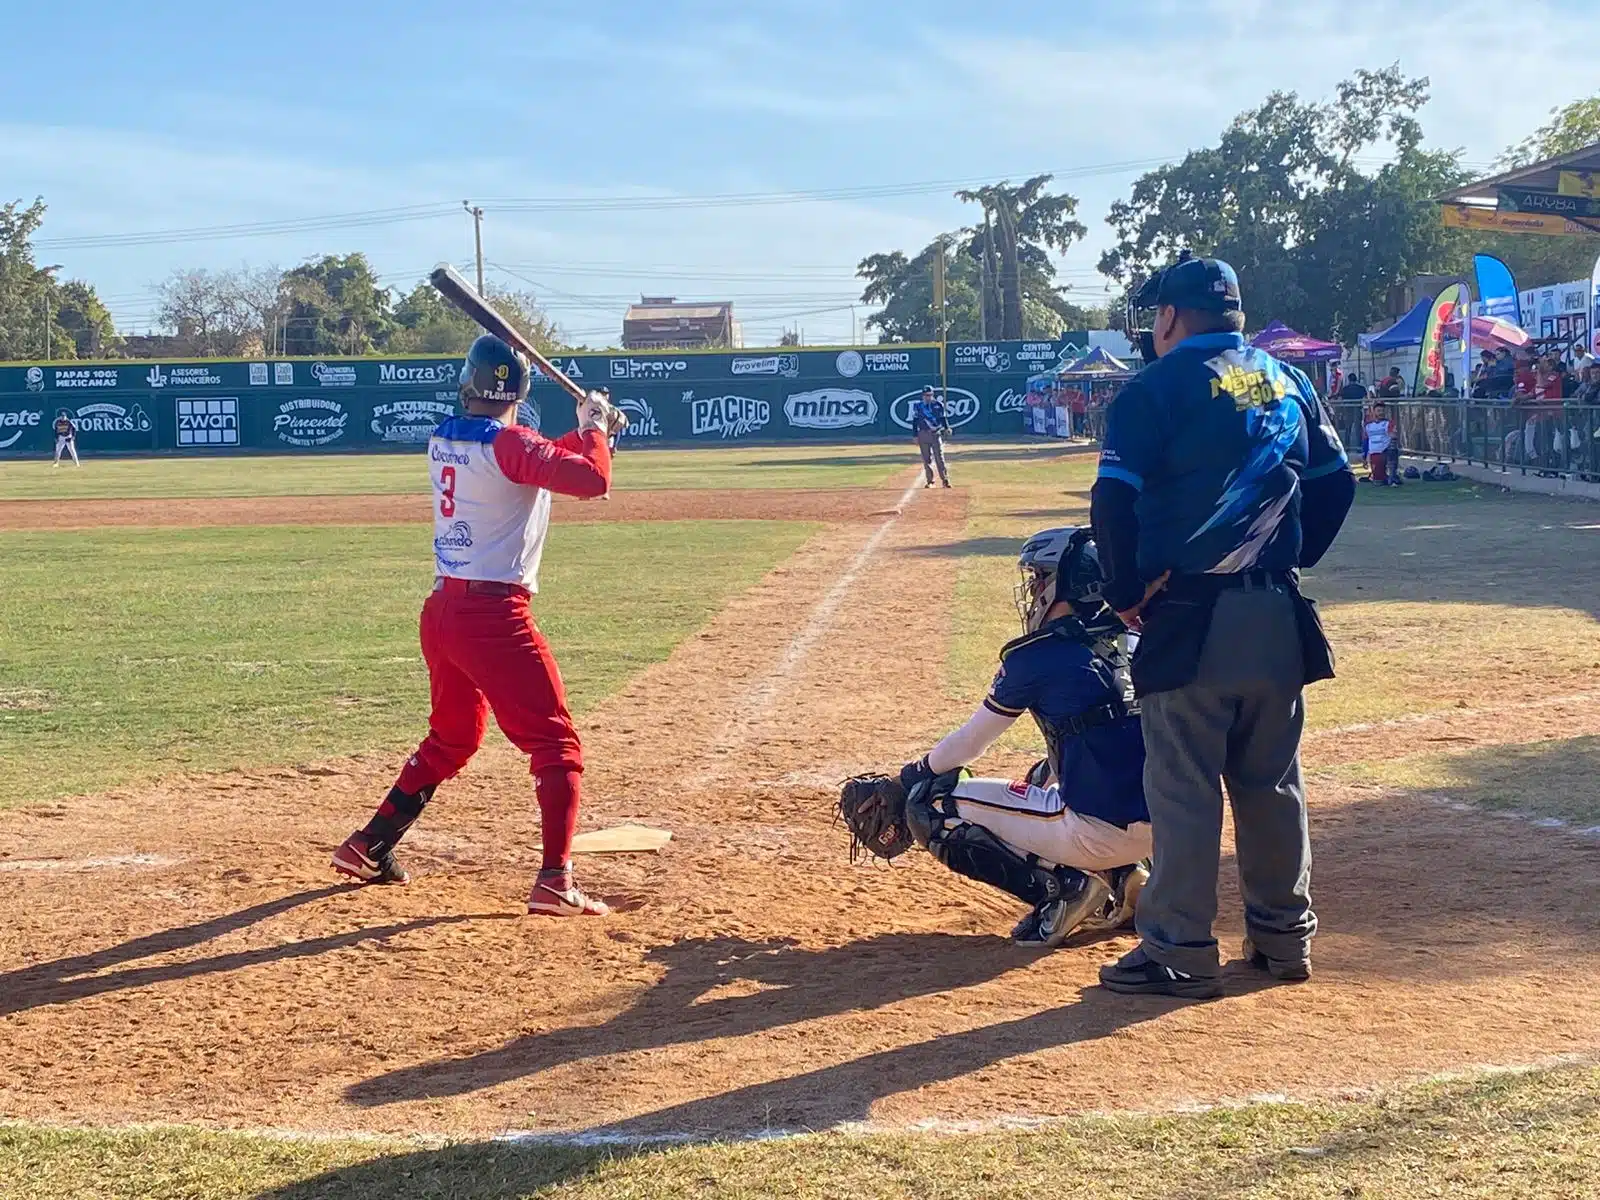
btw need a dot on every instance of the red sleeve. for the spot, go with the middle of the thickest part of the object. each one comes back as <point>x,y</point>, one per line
<point>571,440</point>
<point>533,461</point>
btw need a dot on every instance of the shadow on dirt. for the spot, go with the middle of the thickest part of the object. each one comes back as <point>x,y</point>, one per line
<point>976,547</point>
<point>796,985</point>
<point>68,979</point>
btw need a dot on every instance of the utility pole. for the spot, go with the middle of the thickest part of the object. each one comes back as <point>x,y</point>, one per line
<point>939,304</point>
<point>44,302</point>
<point>477,237</point>
<point>983,267</point>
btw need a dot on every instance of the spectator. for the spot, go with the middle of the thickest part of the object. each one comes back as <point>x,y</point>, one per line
<point>1482,374</point>
<point>1378,434</point>
<point>1525,383</point>
<point>1589,388</point>
<point>1353,388</point>
<point>1582,361</point>
<point>1392,386</point>
<point>1502,376</point>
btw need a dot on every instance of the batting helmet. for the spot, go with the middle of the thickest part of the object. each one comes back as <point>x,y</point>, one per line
<point>493,371</point>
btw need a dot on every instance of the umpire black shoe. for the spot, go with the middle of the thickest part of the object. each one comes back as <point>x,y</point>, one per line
<point>1289,970</point>
<point>1137,974</point>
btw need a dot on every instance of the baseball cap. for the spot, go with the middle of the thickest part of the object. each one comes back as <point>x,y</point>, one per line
<point>927,389</point>
<point>1208,284</point>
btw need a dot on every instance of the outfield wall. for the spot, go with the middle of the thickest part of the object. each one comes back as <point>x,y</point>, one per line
<point>220,406</point>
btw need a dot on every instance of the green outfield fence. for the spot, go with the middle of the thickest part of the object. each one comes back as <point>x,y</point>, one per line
<point>1553,438</point>
<point>227,406</point>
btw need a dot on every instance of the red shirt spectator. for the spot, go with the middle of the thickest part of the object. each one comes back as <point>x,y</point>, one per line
<point>1550,381</point>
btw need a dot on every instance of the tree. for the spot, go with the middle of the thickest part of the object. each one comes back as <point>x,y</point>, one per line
<point>1575,126</point>
<point>427,324</point>
<point>999,276</point>
<point>1317,242</point>
<point>904,289</point>
<point>334,305</point>
<point>1021,225</point>
<point>222,314</point>
<point>41,316</point>
<point>1538,261</point>
<point>85,321</point>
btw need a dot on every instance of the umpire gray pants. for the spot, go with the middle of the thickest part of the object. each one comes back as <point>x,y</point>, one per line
<point>932,447</point>
<point>1239,722</point>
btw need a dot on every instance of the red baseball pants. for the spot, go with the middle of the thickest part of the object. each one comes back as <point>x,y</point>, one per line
<point>484,653</point>
<point>1378,467</point>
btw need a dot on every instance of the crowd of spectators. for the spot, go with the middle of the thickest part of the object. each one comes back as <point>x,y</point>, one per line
<point>1528,376</point>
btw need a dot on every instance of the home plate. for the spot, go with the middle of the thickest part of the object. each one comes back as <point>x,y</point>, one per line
<point>621,839</point>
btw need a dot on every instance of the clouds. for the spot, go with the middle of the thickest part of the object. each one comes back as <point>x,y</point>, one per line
<point>606,99</point>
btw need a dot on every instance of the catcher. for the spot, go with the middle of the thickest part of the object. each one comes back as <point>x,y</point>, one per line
<point>1072,838</point>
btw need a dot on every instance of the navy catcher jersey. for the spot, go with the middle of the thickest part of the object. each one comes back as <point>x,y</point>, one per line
<point>1057,678</point>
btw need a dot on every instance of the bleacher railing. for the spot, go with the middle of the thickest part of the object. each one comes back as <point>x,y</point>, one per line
<point>1553,438</point>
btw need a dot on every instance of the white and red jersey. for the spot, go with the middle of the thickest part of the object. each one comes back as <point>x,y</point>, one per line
<point>1380,433</point>
<point>491,494</point>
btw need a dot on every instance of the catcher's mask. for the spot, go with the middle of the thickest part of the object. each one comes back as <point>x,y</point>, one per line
<point>1055,565</point>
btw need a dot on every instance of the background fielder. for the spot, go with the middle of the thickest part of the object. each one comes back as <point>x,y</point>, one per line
<point>492,486</point>
<point>66,431</point>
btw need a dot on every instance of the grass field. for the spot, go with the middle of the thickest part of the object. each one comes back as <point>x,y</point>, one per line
<point>126,655</point>
<point>403,474</point>
<point>1523,1134</point>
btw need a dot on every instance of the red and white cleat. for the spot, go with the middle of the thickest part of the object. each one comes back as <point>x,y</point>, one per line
<point>556,895</point>
<point>357,860</point>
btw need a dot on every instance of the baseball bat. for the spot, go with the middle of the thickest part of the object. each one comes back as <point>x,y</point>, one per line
<point>449,284</point>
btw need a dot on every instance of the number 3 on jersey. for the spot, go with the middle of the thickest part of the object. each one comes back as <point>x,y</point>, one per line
<point>447,492</point>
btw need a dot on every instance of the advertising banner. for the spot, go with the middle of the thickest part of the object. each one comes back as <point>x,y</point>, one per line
<point>330,405</point>
<point>1015,358</point>
<point>1489,220</point>
<point>1497,289</point>
<point>1430,373</point>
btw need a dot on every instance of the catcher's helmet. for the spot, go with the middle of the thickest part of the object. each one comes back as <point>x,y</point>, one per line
<point>1055,565</point>
<point>493,371</point>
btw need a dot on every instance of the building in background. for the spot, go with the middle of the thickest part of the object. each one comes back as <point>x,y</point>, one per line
<point>665,322</point>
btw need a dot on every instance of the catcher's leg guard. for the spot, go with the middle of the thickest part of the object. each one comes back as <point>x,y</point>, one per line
<point>972,851</point>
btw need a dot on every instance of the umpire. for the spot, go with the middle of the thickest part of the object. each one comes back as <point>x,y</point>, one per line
<point>1220,476</point>
<point>930,425</point>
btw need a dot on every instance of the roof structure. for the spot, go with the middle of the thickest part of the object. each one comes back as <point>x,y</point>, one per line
<point>1565,188</point>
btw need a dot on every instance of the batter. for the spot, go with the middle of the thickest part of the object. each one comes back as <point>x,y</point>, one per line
<point>492,486</point>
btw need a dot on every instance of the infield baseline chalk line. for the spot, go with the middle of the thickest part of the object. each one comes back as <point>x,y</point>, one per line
<point>761,697</point>
<point>932,1125</point>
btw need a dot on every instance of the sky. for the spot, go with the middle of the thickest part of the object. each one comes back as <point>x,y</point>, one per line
<point>568,122</point>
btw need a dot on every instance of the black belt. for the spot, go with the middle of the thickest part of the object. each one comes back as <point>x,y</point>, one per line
<point>1241,581</point>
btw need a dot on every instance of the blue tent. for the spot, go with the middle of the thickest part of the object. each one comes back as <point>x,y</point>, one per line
<point>1407,331</point>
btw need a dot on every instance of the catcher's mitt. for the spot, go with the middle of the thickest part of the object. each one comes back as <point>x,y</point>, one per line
<point>873,807</point>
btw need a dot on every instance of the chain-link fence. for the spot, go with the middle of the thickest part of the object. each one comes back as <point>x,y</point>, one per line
<point>1550,438</point>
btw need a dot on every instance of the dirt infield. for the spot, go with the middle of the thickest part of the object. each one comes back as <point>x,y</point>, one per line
<point>188,957</point>
<point>774,504</point>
